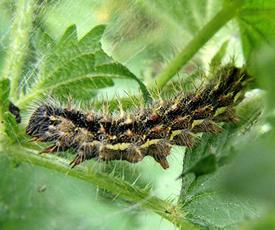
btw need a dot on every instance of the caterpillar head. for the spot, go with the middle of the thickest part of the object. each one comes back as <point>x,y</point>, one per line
<point>41,121</point>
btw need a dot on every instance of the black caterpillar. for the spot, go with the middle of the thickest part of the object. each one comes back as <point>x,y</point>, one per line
<point>145,132</point>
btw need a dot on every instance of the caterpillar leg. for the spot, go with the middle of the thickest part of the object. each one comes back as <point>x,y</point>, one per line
<point>87,151</point>
<point>159,150</point>
<point>50,149</point>
<point>183,138</point>
<point>79,158</point>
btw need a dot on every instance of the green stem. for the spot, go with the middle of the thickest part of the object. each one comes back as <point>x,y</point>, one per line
<point>225,15</point>
<point>125,190</point>
<point>19,44</point>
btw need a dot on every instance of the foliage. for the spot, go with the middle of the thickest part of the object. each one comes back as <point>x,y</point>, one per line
<point>80,67</point>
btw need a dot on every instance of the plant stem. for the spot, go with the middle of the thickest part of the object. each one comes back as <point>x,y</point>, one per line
<point>117,186</point>
<point>225,15</point>
<point>19,44</point>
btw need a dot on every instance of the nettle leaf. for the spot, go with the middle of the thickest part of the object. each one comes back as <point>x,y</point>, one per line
<point>69,37</point>
<point>202,194</point>
<point>205,157</point>
<point>257,25</point>
<point>207,204</point>
<point>78,67</point>
<point>43,43</point>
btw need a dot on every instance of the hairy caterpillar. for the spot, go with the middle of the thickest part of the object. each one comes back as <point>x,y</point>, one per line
<point>145,132</point>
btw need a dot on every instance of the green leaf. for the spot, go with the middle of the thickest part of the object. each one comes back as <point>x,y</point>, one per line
<point>257,24</point>
<point>210,149</point>
<point>69,37</point>
<point>77,68</point>
<point>67,50</point>
<point>43,42</point>
<point>80,90</point>
<point>118,186</point>
<point>48,188</point>
<point>208,206</point>
<point>92,38</point>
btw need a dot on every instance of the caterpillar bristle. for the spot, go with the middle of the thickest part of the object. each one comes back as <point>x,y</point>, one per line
<point>149,130</point>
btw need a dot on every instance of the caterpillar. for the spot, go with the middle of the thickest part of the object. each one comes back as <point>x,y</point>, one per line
<point>149,131</point>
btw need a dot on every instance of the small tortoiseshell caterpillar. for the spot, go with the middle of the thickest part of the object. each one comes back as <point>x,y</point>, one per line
<point>146,132</point>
